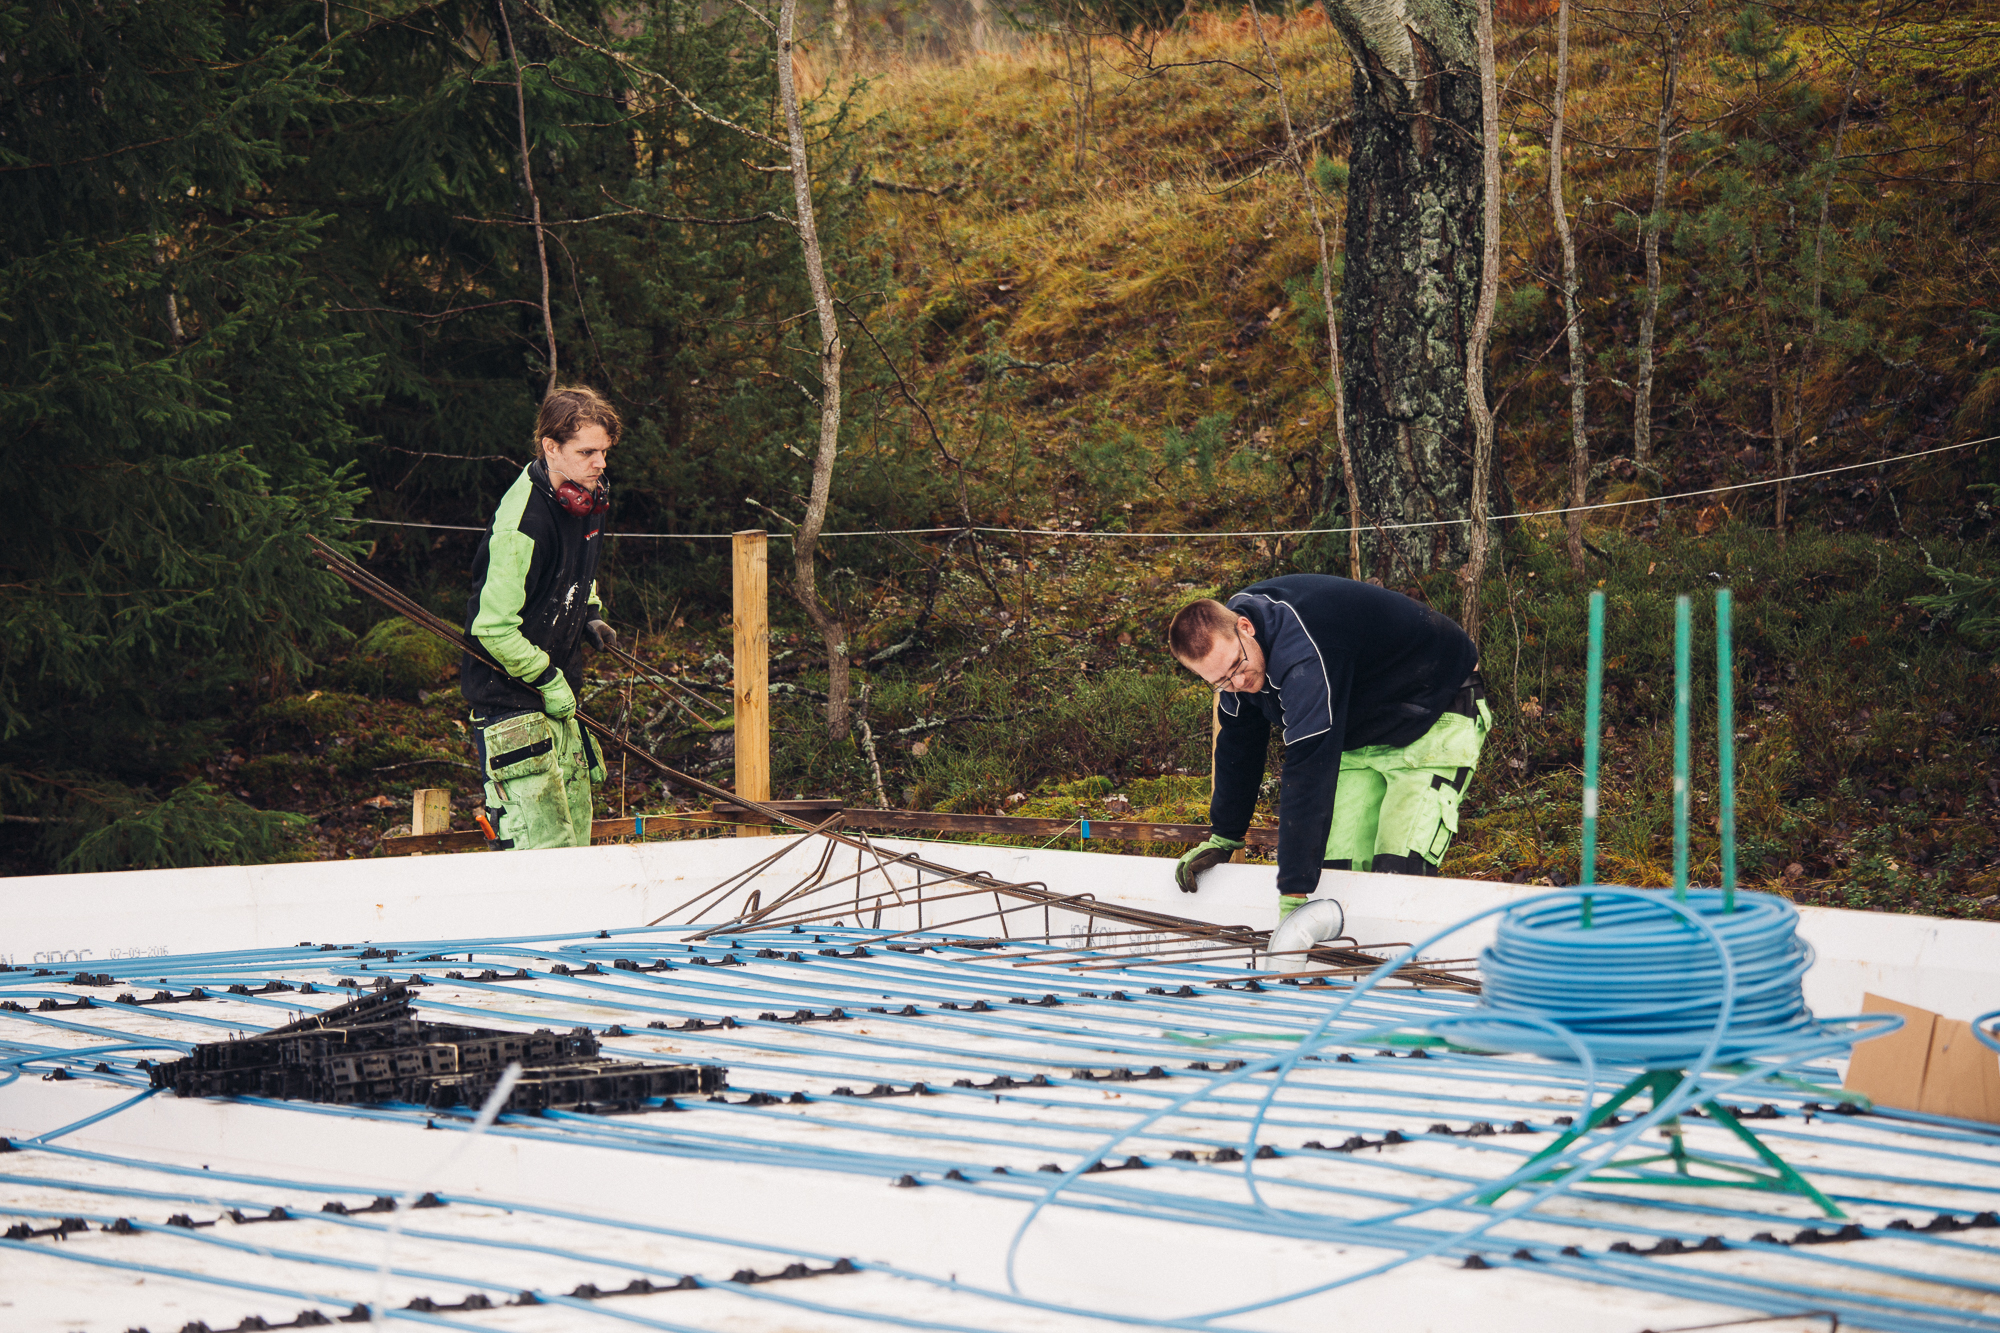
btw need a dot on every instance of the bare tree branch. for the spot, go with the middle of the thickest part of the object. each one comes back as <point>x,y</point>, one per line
<point>634,209</point>
<point>1481,413</point>
<point>528,178</point>
<point>680,95</point>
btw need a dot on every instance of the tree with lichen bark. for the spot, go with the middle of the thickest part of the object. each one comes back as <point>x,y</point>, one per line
<point>1669,34</point>
<point>805,542</point>
<point>1411,283</point>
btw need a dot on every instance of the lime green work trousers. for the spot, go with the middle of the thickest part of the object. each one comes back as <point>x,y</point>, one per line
<point>1401,801</point>
<point>537,780</point>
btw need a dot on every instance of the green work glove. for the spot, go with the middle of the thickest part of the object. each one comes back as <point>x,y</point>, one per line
<point>1289,903</point>
<point>558,700</point>
<point>1199,861</point>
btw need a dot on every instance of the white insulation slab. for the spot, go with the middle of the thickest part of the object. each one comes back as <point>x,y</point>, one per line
<point>899,1109</point>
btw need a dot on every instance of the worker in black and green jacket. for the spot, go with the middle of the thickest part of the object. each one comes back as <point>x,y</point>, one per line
<point>1383,714</point>
<point>534,601</point>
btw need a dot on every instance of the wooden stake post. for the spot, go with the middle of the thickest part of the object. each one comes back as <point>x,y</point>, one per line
<point>753,665</point>
<point>430,811</point>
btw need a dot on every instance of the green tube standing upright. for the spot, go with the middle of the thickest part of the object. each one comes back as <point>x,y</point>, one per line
<point>1592,696</point>
<point>1683,695</point>
<point>1725,747</point>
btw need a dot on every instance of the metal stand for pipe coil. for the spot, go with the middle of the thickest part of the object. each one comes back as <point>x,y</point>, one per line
<point>1676,1166</point>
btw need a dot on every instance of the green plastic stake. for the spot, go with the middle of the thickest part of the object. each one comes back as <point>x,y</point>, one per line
<point>1683,646</point>
<point>1593,692</point>
<point>1725,745</point>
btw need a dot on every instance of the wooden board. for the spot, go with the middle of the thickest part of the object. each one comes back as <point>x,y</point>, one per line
<point>1021,826</point>
<point>751,620</point>
<point>883,821</point>
<point>430,810</point>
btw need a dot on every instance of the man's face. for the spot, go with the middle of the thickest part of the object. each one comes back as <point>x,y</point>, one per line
<point>1234,661</point>
<point>582,459</point>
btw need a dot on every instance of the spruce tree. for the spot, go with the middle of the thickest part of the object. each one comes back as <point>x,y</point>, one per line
<point>177,404</point>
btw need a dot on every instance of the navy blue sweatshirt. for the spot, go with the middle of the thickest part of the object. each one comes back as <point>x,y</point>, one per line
<point>1347,665</point>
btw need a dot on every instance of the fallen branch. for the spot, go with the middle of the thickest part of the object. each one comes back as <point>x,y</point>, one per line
<point>418,763</point>
<point>900,187</point>
<point>932,724</point>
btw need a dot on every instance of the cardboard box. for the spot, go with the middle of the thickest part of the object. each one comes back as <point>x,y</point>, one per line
<point>1934,1065</point>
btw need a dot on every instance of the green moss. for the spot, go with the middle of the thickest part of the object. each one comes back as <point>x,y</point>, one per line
<point>395,659</point>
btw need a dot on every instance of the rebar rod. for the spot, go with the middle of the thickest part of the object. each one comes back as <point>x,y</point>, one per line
<point>744,926</point>
<point>733,882</point>
<point>370,585</point>
<point>662,681</point>
<point>759,918</point>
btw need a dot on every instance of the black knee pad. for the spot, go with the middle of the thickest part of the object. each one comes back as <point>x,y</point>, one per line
<point>1411,864</point>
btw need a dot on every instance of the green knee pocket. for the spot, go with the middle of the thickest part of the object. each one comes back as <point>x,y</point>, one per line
<point>1419,815</point>
<point>1447,825</point>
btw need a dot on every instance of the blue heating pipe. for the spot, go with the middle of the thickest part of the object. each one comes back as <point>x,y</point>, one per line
<point>1538,1024</point>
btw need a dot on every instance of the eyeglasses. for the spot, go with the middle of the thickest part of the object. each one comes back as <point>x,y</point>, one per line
<point>1242,660</point>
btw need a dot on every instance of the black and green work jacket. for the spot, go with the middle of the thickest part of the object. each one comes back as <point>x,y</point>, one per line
<point>1346,665</point>
<point>534,586</point>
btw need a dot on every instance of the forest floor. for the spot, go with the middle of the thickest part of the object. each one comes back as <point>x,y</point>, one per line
<point>1112,324</point>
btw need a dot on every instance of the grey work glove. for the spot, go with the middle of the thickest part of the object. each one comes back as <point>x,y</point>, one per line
<point>1203,859</point>
<point>558,700</point>
<point>602,636</point>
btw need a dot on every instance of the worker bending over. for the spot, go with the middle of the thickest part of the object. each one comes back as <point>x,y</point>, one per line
<point>534,600</point>
<point>1382,711</point>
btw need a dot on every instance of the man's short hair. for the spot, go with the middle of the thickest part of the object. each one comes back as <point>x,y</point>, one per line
<point>1196,627</point>
<point>569,409</point>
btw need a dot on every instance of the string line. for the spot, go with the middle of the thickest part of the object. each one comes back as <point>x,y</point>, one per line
<point>1107,535</point>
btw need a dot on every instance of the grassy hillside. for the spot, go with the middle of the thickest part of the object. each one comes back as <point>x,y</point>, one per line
<point>1130,337</point>
<point>1100,315</point>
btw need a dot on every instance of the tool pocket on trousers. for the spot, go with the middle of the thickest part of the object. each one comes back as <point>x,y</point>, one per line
<point>1448,798</point>
<point>1452,742</point>
<point>519,747</point>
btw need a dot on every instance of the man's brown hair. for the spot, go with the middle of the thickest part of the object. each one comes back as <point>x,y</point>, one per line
<point>1196,627</point>
<point>569,409</point>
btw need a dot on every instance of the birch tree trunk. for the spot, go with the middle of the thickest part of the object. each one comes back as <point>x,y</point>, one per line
<point>1415,223</point>
<point>1473,577</point>
<point>805,543</point>
<point>1656,219</point>
<point>841,20</point>
<point>1077,31</point>
<point>1579,439</point>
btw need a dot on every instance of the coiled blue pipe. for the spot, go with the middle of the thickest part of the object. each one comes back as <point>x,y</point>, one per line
<point>1641,985</point>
